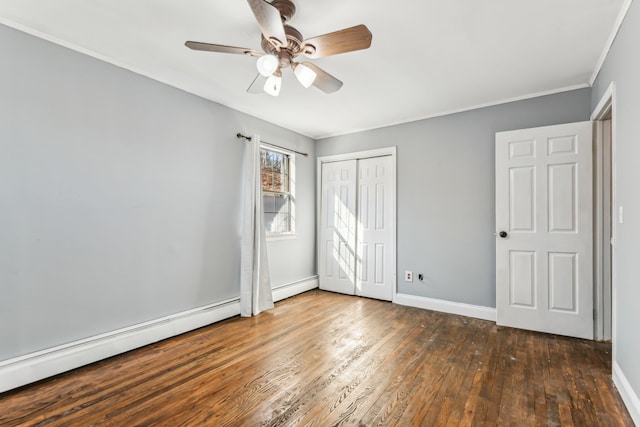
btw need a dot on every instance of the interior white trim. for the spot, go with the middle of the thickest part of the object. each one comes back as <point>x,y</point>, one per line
<point>21,370</point>
<point>605,101</point>
<point>607,47</point>
<point>184,87</point>
<point>629,397</point>
<point>608,100</point>
<point>469,310</point>
<point>602,191</point>
<point>35,366</point>
<point>605,104</point>
<point>294,288</point>
<point>462,110</point>
<point>367,154</point>
<point>123,65</point>
<point>93,54</point>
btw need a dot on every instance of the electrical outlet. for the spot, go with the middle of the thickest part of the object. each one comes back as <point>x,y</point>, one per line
<point>421,277</point>
<point>408,276</point>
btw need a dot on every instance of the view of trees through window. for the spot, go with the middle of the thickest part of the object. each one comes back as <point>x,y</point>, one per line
<point>275,191</point>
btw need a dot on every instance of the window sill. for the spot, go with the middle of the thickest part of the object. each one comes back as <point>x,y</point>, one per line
<point>283,236</point>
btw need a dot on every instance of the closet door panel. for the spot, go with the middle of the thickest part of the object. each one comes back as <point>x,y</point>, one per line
<point>337,255</point>
<point>374,278</point>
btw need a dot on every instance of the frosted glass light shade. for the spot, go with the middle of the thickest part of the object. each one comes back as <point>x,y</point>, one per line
<point>267,64</point>
<point>272,85</point>
<point>305,75</point>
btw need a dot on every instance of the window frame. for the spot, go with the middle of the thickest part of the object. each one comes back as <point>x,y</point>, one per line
<point>291,233</point>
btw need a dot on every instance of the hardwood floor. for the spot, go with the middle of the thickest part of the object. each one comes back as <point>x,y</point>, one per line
<point>322,359</point>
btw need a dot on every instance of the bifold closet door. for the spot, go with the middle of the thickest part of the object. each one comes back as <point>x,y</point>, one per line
<point>356,229</point>
<point>337,257</point>
<point>374,237</point>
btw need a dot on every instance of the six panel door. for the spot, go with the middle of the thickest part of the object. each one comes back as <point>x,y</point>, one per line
<point>374,278</point>
<point>337,257</point>
<point>544,223</point>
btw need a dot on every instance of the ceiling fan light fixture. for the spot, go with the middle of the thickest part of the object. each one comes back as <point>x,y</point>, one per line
<point>272,85</point>
<point>282,45</point>
<point>305,75</point>
<point>267,64</point>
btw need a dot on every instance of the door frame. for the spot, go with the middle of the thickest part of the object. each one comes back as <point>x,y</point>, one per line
<point>606,105</point>
<point>359,155</point>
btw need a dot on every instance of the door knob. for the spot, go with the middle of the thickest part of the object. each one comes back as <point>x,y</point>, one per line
<point>502,234</point>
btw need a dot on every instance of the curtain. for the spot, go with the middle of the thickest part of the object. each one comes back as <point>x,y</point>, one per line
<point>255,284</point>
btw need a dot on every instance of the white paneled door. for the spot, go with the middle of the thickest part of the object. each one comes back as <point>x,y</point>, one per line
<point>374,275</point>
<point>337,257</point>
<point>544,220</point>
<point>357,248</point>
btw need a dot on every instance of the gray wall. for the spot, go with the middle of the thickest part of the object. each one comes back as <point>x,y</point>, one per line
<point>120,198</point>
<point>446,190</point>
<point>623,67</point>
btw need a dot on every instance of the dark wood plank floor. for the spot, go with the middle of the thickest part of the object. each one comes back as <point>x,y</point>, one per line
<point>322,359</point>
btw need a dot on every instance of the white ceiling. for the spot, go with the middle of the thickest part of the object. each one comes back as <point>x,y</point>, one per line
<point>428,57</point>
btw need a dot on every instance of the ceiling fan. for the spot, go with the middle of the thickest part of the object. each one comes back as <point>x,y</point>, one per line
<point>283,45</point>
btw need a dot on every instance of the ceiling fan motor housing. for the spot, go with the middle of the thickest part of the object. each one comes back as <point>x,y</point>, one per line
<point>286,8</point>
<point>288,52</point>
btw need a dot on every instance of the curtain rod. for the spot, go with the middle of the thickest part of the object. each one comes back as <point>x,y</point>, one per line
<point>248,138</point>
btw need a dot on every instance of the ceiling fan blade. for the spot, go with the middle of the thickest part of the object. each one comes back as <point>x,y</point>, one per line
<point>257,86</point>
<point>347,40</point>
<point>269,20</point>
<point>324,81</point>
<point>208,47</point>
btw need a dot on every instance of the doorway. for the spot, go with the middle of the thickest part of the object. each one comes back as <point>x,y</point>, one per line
<point>604,216</point>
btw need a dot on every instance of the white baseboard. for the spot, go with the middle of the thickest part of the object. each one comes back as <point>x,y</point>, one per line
<point>627,393</point>
<point>477,311</point>
<point>290,289</point>
<point>35,366</point>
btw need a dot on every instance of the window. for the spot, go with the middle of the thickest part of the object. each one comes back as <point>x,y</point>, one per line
<point>277,191</point>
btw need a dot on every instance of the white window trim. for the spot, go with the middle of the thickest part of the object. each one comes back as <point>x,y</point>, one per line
<point>289,235</point>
